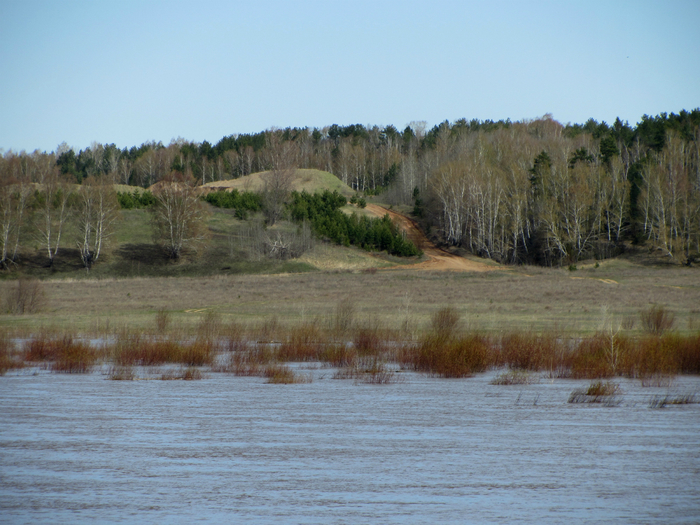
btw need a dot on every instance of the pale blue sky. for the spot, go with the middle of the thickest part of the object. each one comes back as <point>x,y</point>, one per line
<point>126,72</point>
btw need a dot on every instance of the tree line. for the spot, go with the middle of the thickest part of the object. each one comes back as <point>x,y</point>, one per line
<point>533,191</point>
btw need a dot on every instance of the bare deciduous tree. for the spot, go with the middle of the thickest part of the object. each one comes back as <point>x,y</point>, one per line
<point>52,210</point>
<point>14,196</point>
<point>276,190</point>
<point>97,212</point>
<point>179,216</point>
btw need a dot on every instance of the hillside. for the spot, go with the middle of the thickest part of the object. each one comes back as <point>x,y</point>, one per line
<point>311,181</point>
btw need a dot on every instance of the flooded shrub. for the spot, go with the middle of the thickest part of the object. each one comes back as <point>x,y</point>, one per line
<point>234,336</point>
<point>454,357</point>
<point>209,326</point>
<point>74,358</point>
<point>656,319</point>
<point>344,316</point>
<point>196,353</point>
<point>590,359</point>
<point>530,351</point>
<point>652,355</point>
<point>377,374</point>
<point>44,349</point>
<point>8,360</point>
<point>368,340</point>
<point>134,349</point>
<point>303,343</point>
<point>515,377</point>
<point>122,373</point>
<point>443,323</point>
<point>282,374</point>
<point>191,374</point>
<point>657,381</point>
<point>338,355</point>
<point>686,351</point>
<point>162,321</point>
<point>369,370</point>
<point>65,354</point>
<point>406,355</point>
<point>597,392</point>
<point>187,374</point>
<point>268,329</point>
<point>248,360</point>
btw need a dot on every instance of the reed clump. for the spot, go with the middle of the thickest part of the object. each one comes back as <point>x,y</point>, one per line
<point>515,377</point>
<point>122,373</point>
<point>283,375</point>
<point>64,354</point>
<point>597,392</point>
<point>664,401</point>
<point>187,374</point>
<point>369,370</point>
<point>657,381</point>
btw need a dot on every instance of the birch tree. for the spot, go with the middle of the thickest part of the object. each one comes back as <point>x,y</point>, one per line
<point>52,212</point>
<point>97,214</point>
<point>179,217</point>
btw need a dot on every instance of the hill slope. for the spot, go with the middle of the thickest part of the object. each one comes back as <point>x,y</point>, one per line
<point>311,181</point>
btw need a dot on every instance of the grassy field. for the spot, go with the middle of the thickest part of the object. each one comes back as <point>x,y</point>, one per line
<point>521,298</point>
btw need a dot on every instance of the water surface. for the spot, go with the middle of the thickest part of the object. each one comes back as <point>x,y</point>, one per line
<point>84,449</point>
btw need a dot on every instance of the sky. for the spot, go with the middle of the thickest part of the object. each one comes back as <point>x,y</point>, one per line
<point>127,72</point>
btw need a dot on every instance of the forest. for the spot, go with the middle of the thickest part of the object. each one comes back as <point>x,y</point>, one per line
<point>526,192</point>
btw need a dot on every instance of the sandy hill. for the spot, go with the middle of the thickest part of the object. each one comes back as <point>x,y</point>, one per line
<point>311,181</point>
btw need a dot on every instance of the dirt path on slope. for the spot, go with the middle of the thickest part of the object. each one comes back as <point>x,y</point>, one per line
<point>437,259</point>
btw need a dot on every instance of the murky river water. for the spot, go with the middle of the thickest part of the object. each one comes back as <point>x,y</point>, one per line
<point>84,449</point>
